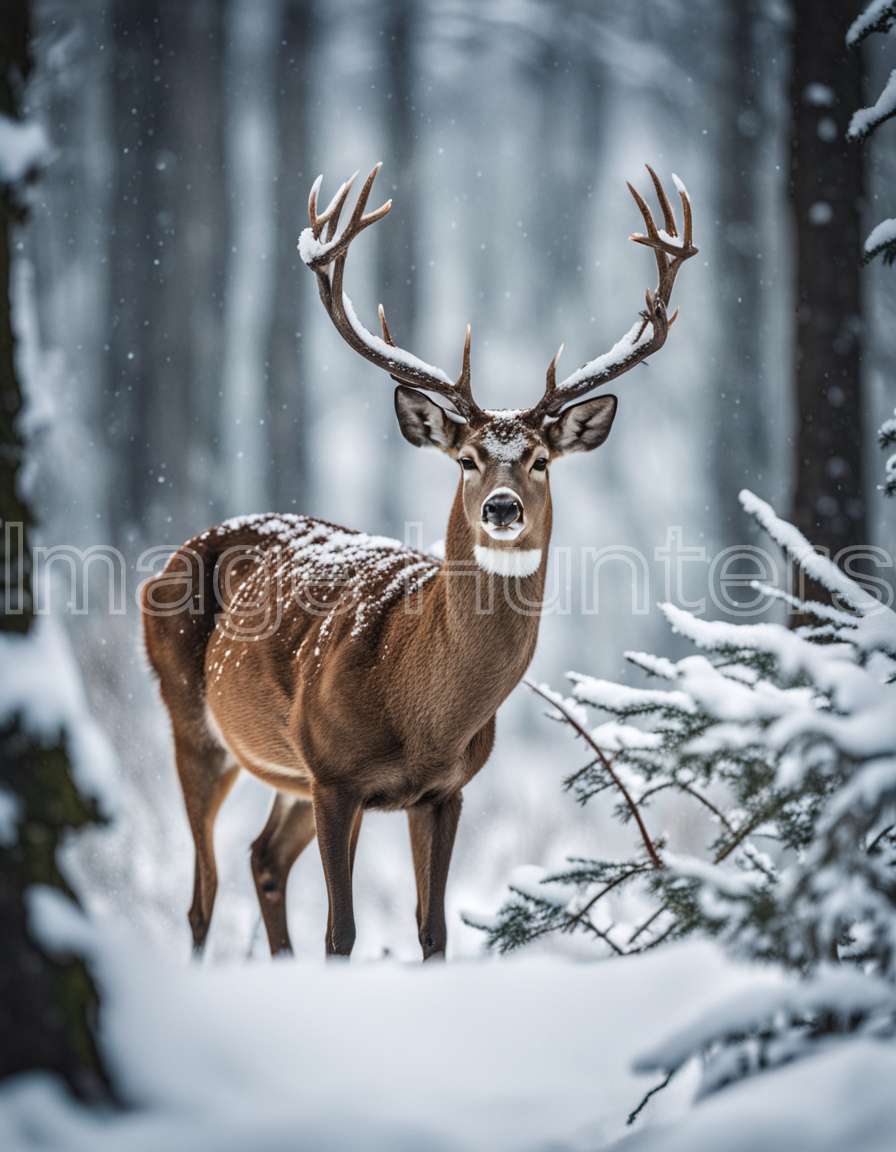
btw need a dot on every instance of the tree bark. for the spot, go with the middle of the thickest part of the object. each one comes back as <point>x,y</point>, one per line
<point>168,255</point>
<point>741,448</point>
<point>287,384</point>
<point>47,1004</point>
<point>826,191</point>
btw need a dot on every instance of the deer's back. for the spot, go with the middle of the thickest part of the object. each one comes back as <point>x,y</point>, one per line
<point>288,647</point>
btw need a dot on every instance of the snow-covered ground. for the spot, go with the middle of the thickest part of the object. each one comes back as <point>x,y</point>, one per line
<point>525,1053</point>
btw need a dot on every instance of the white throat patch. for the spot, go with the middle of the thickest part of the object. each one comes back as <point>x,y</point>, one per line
<point>501,563</point>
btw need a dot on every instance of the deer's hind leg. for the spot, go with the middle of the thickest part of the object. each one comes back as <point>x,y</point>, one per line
<point>207,772</point>
<point>288,832</point>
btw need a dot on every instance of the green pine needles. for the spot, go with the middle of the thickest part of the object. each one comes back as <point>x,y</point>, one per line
<point>786,741</point>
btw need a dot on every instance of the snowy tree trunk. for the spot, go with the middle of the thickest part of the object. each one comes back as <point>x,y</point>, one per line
<point>47,1004</point>
<point>826,187</point>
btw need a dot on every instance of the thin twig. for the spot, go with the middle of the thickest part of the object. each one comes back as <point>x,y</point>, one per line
<point>877,839</point>
<point>646,924</point>
<point>607,888</point>
<point>603,936</point>
<point>659,939</point>
<point>691,791</point>
<point>570,780</point>
<point>608,768</point>
<point>740,836</point>
<point>709,804</point>
<point>633,1116</point>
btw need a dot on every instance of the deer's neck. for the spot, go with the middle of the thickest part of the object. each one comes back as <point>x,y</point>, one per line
<point>490,618</point>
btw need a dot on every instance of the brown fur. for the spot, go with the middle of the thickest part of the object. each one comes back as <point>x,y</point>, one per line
<point>354,695</point>
<point>391,702</point>
<point>396,715</point>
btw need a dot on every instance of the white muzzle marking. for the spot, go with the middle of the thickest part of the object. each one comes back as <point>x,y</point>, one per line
<point>499,562</point>
<point>510,532</point>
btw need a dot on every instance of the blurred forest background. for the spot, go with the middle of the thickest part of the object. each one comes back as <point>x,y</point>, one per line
<point>180,369</point>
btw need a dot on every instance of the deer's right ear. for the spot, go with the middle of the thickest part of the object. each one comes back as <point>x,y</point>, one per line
<point>424,423</point>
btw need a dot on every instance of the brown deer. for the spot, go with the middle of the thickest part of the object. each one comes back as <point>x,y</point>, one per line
<point>350,672</point>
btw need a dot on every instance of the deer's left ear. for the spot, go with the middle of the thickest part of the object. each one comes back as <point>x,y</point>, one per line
<point>583,426</point>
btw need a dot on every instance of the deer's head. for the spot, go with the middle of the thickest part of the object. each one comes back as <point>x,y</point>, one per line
<point>504,458</point>
<point>504,455</point>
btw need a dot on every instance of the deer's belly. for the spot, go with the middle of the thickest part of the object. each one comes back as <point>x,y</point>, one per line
<point>248,709</point>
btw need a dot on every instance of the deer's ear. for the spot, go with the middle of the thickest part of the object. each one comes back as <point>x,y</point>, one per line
<point>583,426</point>
<point>424,423</point>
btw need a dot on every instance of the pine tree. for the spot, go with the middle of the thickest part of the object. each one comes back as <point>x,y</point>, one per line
<point>787,739</point>
<point>47,1003</point>
<point>879,16</point>
<point>887,438</point>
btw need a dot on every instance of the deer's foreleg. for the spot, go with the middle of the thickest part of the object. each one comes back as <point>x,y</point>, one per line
<point>336,815</point>
<point>352,848</point>
<point>433,828</point>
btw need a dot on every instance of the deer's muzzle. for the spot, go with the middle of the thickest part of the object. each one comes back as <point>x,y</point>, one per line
<point>501,509</point>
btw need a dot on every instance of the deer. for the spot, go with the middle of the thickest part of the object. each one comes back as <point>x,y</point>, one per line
<point>347,671</point>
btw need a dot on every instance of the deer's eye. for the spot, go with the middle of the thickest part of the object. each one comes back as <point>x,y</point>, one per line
<point>468,464</point>
<point>540,464</point>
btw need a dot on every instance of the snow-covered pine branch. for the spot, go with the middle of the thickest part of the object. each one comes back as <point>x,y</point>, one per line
<point>763,1028</point>
<point>878,16</point>
<point>866,120</point>
<point>887,438</point>
<point>881,241</point>
<point>786,740</point>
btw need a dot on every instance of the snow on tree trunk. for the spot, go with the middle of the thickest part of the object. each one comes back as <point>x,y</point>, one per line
<point>879,16</point>
<point>47,1002</point>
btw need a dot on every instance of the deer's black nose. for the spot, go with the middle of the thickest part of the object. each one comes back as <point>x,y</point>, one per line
<point>501,511</point>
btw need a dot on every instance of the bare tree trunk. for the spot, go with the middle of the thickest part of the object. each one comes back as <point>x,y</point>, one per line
<point>168,254</point>
<point>134,280</point>
<point>826,188</point>
<point>251,147</point>
<point>742,442</point>
<point>191,240</point>
<point>287,381</point>
<point>397,255</point>
<point>397,272</point>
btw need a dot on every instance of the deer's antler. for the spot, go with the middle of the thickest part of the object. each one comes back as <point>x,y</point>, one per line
<point>638,343</point>
<point>326,258</point>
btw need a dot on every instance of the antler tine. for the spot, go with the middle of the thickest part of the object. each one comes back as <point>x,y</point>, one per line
<point>364,195</point>
<point>387,336</point>
<point>668,218</point>
<point>670,252</point>
<point>463,381</point>
<point>652,239</point>
<point>645,212</point>
<point>686,210</point>
<point>551,381</point>
<point>326,258</point>
<point>316,224</point>
<point>334,209</point>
